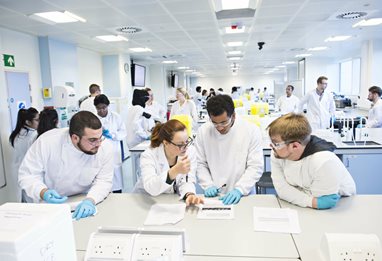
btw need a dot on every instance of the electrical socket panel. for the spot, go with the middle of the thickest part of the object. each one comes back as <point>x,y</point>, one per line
<point>155,247</point>
<point>109,247</point>
<point>351,247</point>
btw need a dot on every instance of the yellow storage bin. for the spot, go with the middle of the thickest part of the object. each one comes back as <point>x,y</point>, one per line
<point>252,119</point>
<point>186,120</point>
<point>260,108</point>
<point>238,103</point>
<point>247,96</point>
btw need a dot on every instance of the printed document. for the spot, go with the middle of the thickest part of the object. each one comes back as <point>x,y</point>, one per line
<point>161,214</point>
<point>277,220</point>
<point>215,209</point>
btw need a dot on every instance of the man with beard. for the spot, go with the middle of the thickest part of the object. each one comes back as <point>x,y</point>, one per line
<point>65,162</point>
<point>305,171</point>
<point>229,152</point>
<point>374,119</point>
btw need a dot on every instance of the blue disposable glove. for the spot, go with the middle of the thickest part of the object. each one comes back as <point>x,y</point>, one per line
<point>232,197</point>
<point>85,209</point>
<point>107,134</point>
<point>51,196</point>
<point>211,192</point>
<point>327,201</point>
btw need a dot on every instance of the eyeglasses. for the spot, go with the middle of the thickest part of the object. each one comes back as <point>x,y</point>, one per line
<point>95,141</point>
<point>222,124</point>
<point>280,145</point>
<point>185,145</point>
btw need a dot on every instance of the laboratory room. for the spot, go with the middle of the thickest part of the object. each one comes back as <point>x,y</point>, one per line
<point>191,130</point>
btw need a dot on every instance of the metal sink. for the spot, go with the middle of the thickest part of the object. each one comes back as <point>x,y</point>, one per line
<point>361,143</point>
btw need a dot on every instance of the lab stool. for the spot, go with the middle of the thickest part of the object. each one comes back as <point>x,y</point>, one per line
<point>264,182</point>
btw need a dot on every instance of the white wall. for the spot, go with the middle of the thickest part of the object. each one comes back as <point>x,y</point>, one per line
<point>89,69</point>
<point>316,67</point>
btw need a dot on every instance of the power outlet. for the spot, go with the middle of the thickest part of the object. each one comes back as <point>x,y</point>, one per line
<point>153,247</point>
<point>109,247</point>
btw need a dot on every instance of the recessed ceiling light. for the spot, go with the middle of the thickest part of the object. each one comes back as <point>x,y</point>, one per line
<point>112,38</point>
<point>280,66</point>
<point>235,58</point>
<point>233,44</point>
<point>369,22</point>
<point>234,4</point>
<point>234,52</point>
<point>140,49</point>
<point>183,68</point>
<point>318,48</point>
<point>57,17</point>
<point>168,62</point>
<point>235,65</point>
<point>234,29</point>
<point>337,38</point>
<point>190,70</point>
<point>304,55</point>
<point>289,62</point>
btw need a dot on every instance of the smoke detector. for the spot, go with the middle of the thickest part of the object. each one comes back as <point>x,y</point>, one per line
<point>128,29</point>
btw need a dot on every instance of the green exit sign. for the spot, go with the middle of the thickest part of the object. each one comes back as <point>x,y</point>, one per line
<point>9,60</point>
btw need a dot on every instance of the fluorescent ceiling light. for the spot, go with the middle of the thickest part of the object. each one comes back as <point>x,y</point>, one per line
<point>369,22</point>
<point>140,49</point>
<point>189,70</point>
<point>234,30</point>
<point>234,52</point>
<point>234,4</point>
<point>337,38</point>
<point>57,17</point>
<point>235,65</point>
<point>318,48</point>
<point>233,44</point>
<point>280,66</point>
<point>168,62</point>
<point>289,62</point>
<point>112,38</point>
<point>303,55</point>
<point>183,67</point>
<point>234,58</point>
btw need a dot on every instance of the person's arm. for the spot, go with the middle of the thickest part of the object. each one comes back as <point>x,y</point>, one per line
<point>120,132</point>
<point>202,170</point>
<point>254,165</point>
<point>377,119</point>
<point>194,113</point>
<point>332,105</point>
<point>303,101</point>
<point>278,104</point>
<point>186,184</point>
<point>139,127</point>
<point>103,181</point>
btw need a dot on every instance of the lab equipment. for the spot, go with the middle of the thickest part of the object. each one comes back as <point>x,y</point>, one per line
<point>232,197</point>
<point>51,196</point>
<point>65,102</point>
<point>85,209</point>
<point>36,232</point>
<point>355,247</point>
<point>211,191</point>
<point>327,201</point>
<point>260,108</point>
<point>133,244</point>
<point>107,134</point>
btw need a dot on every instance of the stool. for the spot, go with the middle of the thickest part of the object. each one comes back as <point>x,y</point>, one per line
<point>264,182</point>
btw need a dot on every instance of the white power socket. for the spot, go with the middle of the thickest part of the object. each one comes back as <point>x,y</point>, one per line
<point>154,247</point>
<point>109,247</point>
<point>351,247</point>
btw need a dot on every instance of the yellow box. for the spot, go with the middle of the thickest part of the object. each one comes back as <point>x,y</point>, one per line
<point>260,108</point>
<point>186,120</point>
<point>247,96</point>
<point>252,119</point>
<point>238,103</point>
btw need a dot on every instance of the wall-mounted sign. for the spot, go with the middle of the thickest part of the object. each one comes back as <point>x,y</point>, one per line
<point>9,60</point>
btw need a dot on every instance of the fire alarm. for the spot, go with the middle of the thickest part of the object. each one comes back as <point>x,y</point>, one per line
<point>233,27</point>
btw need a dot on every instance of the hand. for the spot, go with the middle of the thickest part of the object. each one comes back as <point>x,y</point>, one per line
<point>183,166</point>
<point>107,134</point>
<point>51,196</point>
<point>193,199</point>
<point>211,192</point>
<point>327,201</point>
<point>233,197</point>
<point>85,209</point>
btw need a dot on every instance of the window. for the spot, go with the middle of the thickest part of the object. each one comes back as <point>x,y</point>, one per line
<point>350,72</point>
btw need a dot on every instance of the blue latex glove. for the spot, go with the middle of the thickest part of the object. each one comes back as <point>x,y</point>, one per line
<point>232,197</point>
<point>327,201</point>
<point>211,192</point>
<point>51,196</point>
<point>85,209</point>
<point>107,134</point>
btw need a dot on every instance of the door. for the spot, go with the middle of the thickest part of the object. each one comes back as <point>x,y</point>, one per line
<point>18,93</point>
<point>2,169</point>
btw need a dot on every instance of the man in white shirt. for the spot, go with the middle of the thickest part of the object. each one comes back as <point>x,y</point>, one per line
<point>289,102</point>
<point>65,162</point>
<point>374,119</point>
<point>229,152</point>
<point>198,98</point>
<point>305,171</point>
<point>88,104</point>
<point>320,105</point>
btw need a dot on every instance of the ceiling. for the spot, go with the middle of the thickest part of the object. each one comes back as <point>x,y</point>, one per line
<point>189,32</point>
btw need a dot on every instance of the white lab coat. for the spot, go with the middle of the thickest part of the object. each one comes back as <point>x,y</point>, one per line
<point>114,124</point>
<point>375,116</point>
<point>188,108</point>
<point>235,95</point>
<point>157,111</point>
<point>318,112</point>
<point>321,173</point>
<point>287,104</point>
<point>22,143</point>
<point>53,162</point>
<point>235,159</point>
<point>154,168</point>
<point>88,105</point>
<point>198,100</point>
<point>137,126</point>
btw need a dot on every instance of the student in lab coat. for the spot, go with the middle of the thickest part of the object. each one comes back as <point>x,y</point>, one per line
<point>374,119</point>
<point>48,120</point>
<point>88,103</point>
<point>65,162</point>
<point>184,106</point>
<point>229,152</point>
<point>198,98</point>
<point>305,171</point>
<point>289,102</point>
<point>113,129</point>
<point>21,139</point>
<point>169,164</point>
<point>157,111</point>
<point>320,105</point>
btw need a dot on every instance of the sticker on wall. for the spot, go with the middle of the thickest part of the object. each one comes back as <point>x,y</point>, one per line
<point>21,105</point>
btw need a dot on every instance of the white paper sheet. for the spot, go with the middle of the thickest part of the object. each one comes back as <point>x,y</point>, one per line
<point>276,220</point>
<point>161,214</point>
<point>215,209</point>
